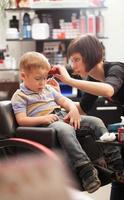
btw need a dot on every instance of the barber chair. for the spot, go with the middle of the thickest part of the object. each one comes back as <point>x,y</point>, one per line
<point>24,138</point>
<point>12,137</point>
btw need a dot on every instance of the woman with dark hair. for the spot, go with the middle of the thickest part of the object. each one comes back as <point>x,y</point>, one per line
<point>99,78</point>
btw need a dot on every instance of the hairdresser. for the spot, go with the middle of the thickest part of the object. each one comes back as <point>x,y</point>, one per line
<point>98,78</point>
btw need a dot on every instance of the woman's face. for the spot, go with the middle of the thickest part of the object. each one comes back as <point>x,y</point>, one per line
<point>78,65</point>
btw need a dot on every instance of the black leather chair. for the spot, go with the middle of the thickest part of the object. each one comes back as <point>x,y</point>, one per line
<point>27,137</point>
<point>13,135</point>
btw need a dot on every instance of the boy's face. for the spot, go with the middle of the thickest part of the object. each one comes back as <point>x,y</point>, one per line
<point>35,80</point>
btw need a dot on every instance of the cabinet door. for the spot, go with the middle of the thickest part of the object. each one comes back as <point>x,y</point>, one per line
<point>7,89</point>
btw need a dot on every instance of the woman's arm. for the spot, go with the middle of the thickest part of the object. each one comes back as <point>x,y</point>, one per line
<point>95,88</point>
<point>81,111</point>
<point>92,87</point>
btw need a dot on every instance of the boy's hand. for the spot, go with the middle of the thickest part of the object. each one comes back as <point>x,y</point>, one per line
<point>73,118</point>
<point>48,119</point>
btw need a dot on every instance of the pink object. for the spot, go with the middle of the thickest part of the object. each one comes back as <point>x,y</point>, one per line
<point>121,135</point>
<point>54,70</point>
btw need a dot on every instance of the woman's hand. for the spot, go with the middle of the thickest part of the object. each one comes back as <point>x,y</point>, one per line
<point>54,84</point>
<point>63,74</point>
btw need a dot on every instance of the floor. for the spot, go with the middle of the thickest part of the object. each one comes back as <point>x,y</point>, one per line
<point>102,193</point>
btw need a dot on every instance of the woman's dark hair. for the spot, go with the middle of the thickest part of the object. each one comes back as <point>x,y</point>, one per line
<point>90,49</point>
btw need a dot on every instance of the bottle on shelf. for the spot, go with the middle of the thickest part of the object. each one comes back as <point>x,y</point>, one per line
<point>13,4</point>
<point>7,58</point>
<point>47,18</point>
<point>82,22</point>
<point>26,26</point>
<point>99,25</point>
<point>14,22</point>
<point>74,20</point>
<point>91,23</point>
<point>50,23</point>
<point>35,19</point>
<point>9,61</point>
<point>74,29</point>
<point>2,59</point>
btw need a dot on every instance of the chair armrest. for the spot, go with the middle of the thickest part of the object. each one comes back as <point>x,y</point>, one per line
<point>115,143</point>
<point>42,135</point>
<point>24,143</point>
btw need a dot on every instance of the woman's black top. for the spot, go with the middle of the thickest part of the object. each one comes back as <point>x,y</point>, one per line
<point>114,75</point>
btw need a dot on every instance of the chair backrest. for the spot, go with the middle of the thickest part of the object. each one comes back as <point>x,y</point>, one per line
<point>7,119</point>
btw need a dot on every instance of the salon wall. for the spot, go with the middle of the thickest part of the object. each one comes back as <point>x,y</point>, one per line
<point>17,48</point>
<point>114,25</point>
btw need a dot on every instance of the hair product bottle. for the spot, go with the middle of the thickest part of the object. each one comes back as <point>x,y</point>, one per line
<point>26,26</point>
<point>14,22</point>
<point>99,25</point>
<point>82,22</point>
<point>91,24</point>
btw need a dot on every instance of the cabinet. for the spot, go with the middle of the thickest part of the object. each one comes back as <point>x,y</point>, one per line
<point>56,16</point>
<point>9,83</point>
<point>7,89</point>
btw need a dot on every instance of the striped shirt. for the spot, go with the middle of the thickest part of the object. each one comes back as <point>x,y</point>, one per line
<point>33,103</point>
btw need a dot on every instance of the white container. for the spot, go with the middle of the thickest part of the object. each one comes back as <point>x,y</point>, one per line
<point>12,33</point>
<point>40,31</point>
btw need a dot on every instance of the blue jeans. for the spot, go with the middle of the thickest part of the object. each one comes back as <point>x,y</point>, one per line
<point>66,136</point>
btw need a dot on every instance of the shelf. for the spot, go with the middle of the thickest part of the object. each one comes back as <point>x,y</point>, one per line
<point>58,8</point>
<point>61,4</point>
<point>21,40</point>
<point>8,69</point>
<point>47,40</point>
<point>31,39</point>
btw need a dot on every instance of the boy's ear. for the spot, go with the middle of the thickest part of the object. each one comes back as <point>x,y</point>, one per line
<point>22,75</point>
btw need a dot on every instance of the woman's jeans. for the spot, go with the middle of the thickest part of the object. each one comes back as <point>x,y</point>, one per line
<point>66,136</point>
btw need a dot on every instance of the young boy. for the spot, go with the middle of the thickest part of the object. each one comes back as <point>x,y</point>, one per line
<point>36,102</point>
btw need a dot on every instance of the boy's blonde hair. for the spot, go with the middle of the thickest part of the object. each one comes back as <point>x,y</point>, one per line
<point>33,60</point>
